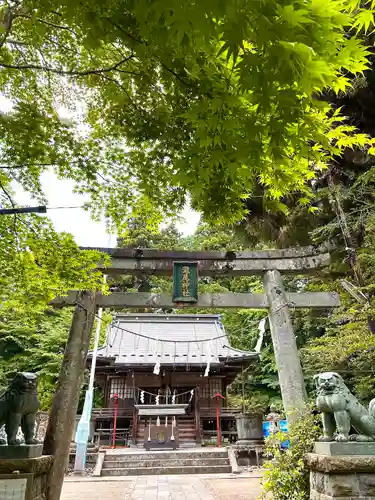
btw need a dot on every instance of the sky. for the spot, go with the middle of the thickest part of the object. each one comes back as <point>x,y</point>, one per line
<point>77,221</point>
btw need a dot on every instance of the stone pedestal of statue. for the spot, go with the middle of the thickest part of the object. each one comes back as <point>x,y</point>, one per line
<point>24,478</point>
<point>344,471</point>
<point>20,452</point>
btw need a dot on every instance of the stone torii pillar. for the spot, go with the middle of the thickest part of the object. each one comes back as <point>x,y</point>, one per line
<point>288,363</point>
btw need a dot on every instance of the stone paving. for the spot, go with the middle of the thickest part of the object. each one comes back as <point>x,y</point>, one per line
<point>187,487</point>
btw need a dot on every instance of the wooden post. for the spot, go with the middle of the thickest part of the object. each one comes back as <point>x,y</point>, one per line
<point>115,413</point>
<point>135,426</point>
<point>218,396</point>
<point>198,435</point>
<point>64,407</point>
<point>288,363</point>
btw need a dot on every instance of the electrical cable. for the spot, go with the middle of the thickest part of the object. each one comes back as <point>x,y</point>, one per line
<point>110,323</point>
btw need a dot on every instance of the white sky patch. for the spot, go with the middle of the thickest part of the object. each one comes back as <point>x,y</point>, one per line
<point>60,193</point>
<point>6,104</point>
<point>77,221</point>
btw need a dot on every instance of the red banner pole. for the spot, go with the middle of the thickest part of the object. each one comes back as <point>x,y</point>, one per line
<point>115,397</point>
<point>218,430</point>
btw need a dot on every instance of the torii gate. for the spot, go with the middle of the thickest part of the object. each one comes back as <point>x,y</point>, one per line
<point>271,264</point>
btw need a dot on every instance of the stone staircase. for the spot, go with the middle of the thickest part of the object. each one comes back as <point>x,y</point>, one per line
<point>91,456</point>
<point>186,431</point>
<point>166,462</point>
<point>141,426</point>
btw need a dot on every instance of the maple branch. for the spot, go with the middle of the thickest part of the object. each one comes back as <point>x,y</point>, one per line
<point>125,90</point>
<point>7,195</point>
<point>167,68</point>
<point>58,26</point>
<point>70,72</point>
<point>37,164</point>
<point>187,84</point>
<point>7,25</point>
<point>16,42</point>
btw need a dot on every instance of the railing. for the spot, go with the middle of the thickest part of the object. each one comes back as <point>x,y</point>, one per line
<point>226,436</point>
<point>109,412</point>
<point>105,436</point>
<point>128,412</point>
<point>224,411</point>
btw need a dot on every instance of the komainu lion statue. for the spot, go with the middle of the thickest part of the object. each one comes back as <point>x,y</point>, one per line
<point>341,410</point>
<point>19,405</point>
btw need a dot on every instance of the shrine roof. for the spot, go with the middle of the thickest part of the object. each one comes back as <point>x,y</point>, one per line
<point>171,339</point>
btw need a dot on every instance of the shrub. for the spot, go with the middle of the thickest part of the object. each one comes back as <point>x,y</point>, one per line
<point>286,477</point>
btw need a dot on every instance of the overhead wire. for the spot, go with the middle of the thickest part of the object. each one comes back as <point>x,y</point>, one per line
<point>65,208</point>
<point>155,339</point>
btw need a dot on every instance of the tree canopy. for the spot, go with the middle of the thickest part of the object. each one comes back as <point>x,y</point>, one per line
<point>37,264</point>
<point>247,109</point>
<point>168,99</point>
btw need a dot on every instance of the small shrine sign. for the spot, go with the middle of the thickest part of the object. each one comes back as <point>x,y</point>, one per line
<point>185,282</point>
<point>15,486</point>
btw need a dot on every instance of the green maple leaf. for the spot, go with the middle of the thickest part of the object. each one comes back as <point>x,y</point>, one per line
<point>364,20</point>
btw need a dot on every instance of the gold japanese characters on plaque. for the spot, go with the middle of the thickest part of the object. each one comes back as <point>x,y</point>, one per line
<point>185,282</point>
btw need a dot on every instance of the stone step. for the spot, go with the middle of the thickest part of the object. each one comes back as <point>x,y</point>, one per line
<point>182,439</point>
<point>150,471</point>
<point>184,444</point>
<point>90,446</point>
<point>166,455</point>
<point>189,462</point>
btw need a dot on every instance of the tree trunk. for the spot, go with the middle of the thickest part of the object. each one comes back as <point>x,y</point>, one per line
<point>64,408</point>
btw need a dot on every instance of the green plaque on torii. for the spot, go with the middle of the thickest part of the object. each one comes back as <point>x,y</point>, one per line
<point>185,282</point>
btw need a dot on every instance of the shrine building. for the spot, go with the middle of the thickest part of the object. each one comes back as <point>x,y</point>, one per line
<point>162,377</point>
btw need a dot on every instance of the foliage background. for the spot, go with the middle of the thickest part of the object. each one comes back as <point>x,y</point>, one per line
<point>262,114</point>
